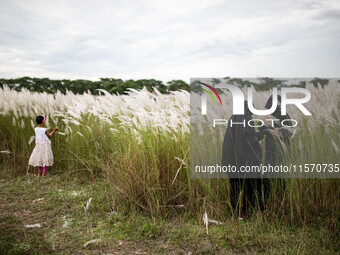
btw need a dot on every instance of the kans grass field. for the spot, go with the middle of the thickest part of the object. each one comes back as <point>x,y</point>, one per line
<point>121,182</point>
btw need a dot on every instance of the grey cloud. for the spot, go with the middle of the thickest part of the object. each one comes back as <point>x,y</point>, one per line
<point>136,39</point>
<point>329,15</point>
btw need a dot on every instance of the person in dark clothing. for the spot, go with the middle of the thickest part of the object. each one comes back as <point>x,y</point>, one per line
<point>241,147</point>
<point>273,144</point>
<point>277,115</point>
<point>241,144</point>
<point>277,139</point>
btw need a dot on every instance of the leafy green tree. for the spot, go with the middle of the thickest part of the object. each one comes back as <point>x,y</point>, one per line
<point>177,85</point>
<point>241,83</point>
<point>112,85</point>
<point>267,83</point>
<point>322,82</point>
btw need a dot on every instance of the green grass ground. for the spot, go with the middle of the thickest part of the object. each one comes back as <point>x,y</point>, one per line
<point>66,227</point>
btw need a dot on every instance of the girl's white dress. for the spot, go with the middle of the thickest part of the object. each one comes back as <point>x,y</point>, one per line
<point>42,154</point>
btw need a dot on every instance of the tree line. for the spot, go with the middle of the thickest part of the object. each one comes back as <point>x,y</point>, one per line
<point>80,86</point>
<point>114,86</point>
<point>265,83</point>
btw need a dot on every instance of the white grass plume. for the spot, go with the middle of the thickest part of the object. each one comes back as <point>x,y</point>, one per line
<point>31,139</point>
<point>37,200</point>
<point>67,222</point>
<point>37,225</point>
<point>215,222</point>
<point>206,222</point>
<point>88,203</point>
<point>92,241</point>
<point>336,148</point>
<point>182,163</point>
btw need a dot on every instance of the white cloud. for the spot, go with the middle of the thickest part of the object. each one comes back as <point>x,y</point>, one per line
<point>169,39</point>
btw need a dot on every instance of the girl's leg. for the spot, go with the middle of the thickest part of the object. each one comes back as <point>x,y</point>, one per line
<point>45,171</point>
<point>39,170</point>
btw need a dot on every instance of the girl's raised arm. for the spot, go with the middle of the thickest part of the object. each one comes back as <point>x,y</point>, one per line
<point>49,135</point>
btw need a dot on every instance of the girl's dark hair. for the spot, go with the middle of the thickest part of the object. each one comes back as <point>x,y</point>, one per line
<point>39,119</point>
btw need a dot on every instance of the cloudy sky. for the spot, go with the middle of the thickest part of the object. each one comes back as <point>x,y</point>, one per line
<point>167,40</point>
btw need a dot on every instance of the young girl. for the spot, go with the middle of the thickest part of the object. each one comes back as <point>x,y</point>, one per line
<point>42,156</point>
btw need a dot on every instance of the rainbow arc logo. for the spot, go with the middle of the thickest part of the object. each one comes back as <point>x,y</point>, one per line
<point>209,93</point>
